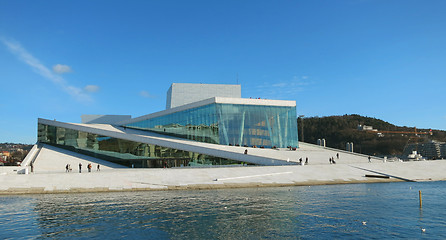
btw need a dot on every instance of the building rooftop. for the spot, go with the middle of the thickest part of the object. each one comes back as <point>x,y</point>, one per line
<point>221,100</point>
<point>184,93</point>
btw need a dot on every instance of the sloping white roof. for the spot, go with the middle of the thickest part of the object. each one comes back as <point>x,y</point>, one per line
<point>222,151</point>
<point>316,154</point>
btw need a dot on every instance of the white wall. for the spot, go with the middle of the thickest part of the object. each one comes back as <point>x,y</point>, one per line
<point>185,93</point>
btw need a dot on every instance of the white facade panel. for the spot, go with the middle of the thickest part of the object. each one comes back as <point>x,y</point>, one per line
<point>104,119</point>
<point>184,93</point>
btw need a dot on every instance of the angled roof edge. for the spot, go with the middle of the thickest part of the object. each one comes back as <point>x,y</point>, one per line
<point>222,100</point>
<point>216,150</point>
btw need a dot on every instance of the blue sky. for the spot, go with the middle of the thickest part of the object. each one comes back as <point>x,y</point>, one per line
<point>62,59</point>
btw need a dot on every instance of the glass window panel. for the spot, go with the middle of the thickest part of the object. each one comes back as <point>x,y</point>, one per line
<point>264,126</point>
<point>121,151</point>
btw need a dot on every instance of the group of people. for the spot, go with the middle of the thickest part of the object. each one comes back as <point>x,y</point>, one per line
<point>89,167</point>
<point>68,168</point>
<point>332,159</point>
<point>306,161</point>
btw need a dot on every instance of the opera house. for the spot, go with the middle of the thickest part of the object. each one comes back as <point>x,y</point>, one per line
<point>202,125</point>
<point>207,137</point>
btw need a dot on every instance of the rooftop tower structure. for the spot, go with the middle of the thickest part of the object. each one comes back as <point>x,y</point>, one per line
<point>184,93</point>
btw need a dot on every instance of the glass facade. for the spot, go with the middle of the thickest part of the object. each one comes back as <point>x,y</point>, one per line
<point>124,152</point>
<point>229,124</point>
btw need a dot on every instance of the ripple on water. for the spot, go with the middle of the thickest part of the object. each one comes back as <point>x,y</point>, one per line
<point>336,211</point>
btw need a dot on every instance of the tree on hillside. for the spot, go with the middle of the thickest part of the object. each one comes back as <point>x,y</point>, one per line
<point>338,130</point>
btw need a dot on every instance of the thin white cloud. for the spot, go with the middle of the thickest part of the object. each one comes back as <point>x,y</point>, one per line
<point>38,67</point>
<point>282,84</point>
<point>60,68</point>
<point>145,94</point>
<point>277,89</point>
<point>91,88</point>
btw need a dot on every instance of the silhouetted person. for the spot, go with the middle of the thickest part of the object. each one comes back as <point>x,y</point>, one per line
<point>80,167</point>
<point>98,169</point>
<point>306,160</point>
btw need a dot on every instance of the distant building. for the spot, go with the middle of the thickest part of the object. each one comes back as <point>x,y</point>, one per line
<point>429,150</point>
<point>6,153</point>
<point>366,128</point>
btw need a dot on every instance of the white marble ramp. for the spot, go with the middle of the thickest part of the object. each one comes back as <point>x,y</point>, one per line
<point>52,159</point>
<point>268,157</point>
<point>127,179</point>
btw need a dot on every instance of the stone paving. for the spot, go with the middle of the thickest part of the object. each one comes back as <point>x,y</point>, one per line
<point>49,175</point>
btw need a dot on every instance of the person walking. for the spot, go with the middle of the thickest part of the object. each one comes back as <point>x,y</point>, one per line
<point>98,169</point>
<point>67,168</point>
<point>306,161</point>
<point>89,167</point>
<point>80,167</point>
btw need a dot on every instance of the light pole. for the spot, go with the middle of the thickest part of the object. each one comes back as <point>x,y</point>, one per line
<point>302,121</point>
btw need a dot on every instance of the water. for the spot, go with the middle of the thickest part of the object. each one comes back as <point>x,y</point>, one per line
<point>390,210</point>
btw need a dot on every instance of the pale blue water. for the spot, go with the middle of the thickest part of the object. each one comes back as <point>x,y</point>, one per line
<point>391,210</point>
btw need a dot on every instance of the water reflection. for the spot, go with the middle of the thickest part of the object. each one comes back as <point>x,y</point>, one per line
<point>225,214</point>
<point>291,213</point>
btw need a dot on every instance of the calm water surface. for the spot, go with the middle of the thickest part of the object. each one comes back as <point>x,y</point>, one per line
<point>390,210</point>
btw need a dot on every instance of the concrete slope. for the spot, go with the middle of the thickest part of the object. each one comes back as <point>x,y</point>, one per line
<point>209,178</point>
<point>53,159</point>
<point>316,155</point>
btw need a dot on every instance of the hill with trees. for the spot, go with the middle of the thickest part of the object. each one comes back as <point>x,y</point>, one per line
<point>13,153</point>
<point>339,130</point>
